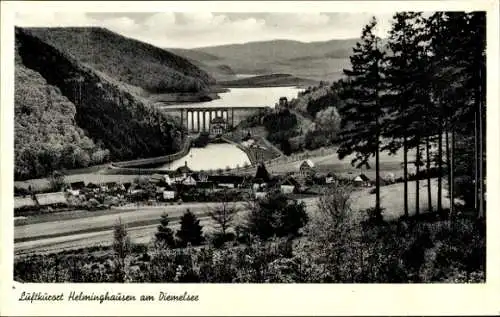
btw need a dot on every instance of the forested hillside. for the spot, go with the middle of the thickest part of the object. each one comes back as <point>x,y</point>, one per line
<point>58,98</point>
<point>46,135</point>
<point>127,60</point>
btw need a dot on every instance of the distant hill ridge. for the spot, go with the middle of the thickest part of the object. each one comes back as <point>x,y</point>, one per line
<point>322,60</point>
<point>268,81</point>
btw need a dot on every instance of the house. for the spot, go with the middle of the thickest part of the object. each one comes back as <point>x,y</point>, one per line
<point>290,185</point>
<point>207,186</point>
<point>157,178</point>
<point>188,181</point>
<point>111,185</point>
<point>92,186</point>
<point>330,178</point>
<point>183,171</point>
<point>73,192</point>
<point>227,181</point>
<point>306,168</point>
<point>57,199</point>
<point>201,177</point>
<point>126,186</point>
<point>77,185</point>
<point>24,202</point>
<point>260,195</point>
<point>218,126</point>
<point>389,178</point>
<point>169,193</point>
<point>361,180</point>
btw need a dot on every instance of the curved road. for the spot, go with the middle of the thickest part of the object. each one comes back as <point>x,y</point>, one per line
<point>56,235</point>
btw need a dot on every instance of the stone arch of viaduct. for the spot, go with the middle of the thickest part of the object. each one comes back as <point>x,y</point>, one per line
<point>198,119</point>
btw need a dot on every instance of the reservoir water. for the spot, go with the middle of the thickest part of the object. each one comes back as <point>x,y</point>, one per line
<point>247,97</point>
<point>211,157</point>
<point>215,156</point>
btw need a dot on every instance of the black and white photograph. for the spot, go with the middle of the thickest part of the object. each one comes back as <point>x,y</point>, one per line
<point>250,147</point>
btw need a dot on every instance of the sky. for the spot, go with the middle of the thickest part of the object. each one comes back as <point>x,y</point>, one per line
<point>199,29</point>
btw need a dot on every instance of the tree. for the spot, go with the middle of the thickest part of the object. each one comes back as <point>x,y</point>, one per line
<point>262,173</point>
<point>191,230</point>
<point>57,181</point>
<point>276,215</point>
<point>457,43</point>
<point>404,75</point>
<point>362,111</point>
<point>223,214</point>
<point>165,235</point>
<point>121,249</point>
<point>328,121</point>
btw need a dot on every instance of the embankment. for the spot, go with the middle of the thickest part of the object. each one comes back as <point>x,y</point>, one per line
<point>149,163</point>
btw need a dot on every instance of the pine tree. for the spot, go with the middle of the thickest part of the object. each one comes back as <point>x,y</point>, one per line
<point>457,41</point>
<point>406,96</point>
<point>191,230</point>
<point>165,235</point>
<point>362,111</point>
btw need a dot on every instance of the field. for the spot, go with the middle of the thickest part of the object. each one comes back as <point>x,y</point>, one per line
<point>79,229</point>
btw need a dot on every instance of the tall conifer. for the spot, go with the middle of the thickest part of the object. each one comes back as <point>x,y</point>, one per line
<point>362,113</point>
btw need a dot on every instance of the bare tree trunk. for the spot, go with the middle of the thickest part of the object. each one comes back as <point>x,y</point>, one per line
<point>481,157</point>
<point>417,183</point>
<point>405,159</point>
<point>448,165</point>
<point>476,164</point>
<point>440,172</point>
<point>448,161</point>
<point>451,176</point>
<point>428,165</point>
<point>377,177</point>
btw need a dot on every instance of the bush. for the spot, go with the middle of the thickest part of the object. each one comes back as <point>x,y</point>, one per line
<point>276,216</point>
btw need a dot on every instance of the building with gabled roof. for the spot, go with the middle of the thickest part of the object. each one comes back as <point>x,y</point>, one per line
<point>51,199</point>
<point>306,168</point>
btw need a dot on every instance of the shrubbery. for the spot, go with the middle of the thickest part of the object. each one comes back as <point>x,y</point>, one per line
<point>338,246</point>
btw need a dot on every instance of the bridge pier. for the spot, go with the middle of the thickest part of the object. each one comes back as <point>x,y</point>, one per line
<point>199,119</point>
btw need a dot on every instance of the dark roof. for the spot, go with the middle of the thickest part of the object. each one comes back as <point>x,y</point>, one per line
<point>218,120</point>
<point>184,169</point>
<point>199,176</point>
<point>290,181</point>
<point>168,187</point>
<point>364,177</point>
<point>226,179</point>
<point>77,185</point>
<point>204,184</point>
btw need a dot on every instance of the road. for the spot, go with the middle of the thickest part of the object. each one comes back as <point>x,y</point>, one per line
<point>56,235</point>
<point>83,229</point>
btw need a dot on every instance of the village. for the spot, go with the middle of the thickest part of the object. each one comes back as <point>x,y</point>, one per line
<point>178,186</point>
